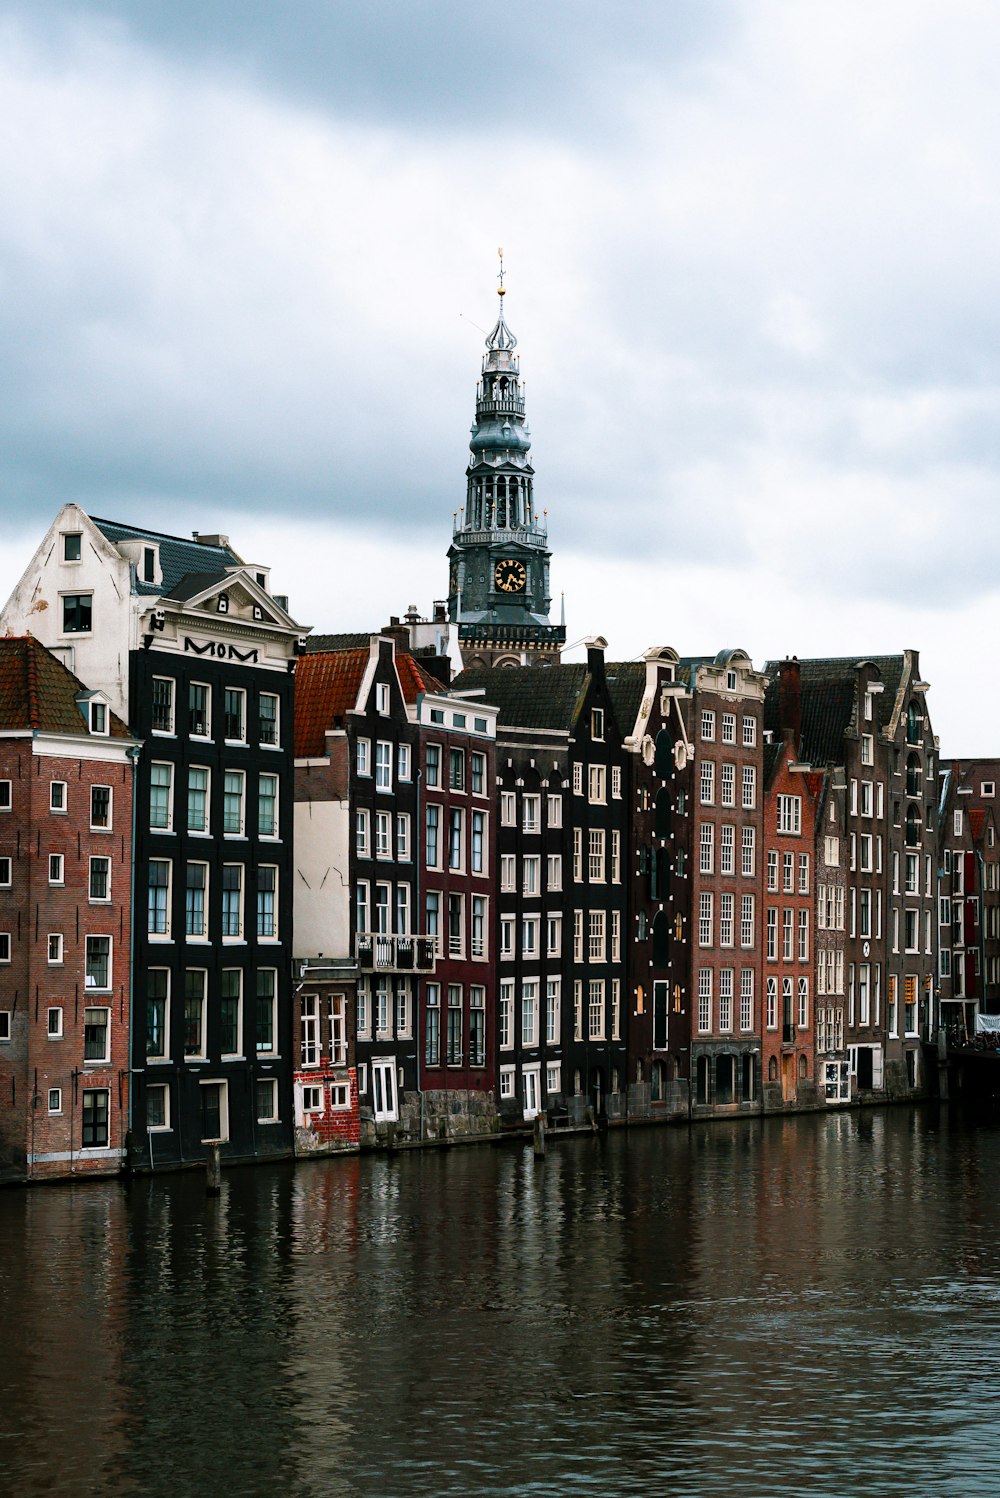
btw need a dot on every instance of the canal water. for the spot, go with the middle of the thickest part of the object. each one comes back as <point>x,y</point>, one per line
<point>801,1306</point>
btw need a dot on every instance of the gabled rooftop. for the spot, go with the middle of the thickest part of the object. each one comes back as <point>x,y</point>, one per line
<point>544,697</point>
<point>327,684</point>
<point>179,558</point>
<point>828,700</point>
<point>38,694</point>
<point>357,640</point>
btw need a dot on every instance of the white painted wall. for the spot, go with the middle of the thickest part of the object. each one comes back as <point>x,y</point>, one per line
<point>100,658</point>
<point>322,897</point>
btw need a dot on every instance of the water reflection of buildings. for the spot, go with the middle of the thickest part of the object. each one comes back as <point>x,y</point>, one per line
<point>210,1328</point>
<point>61,1389</point>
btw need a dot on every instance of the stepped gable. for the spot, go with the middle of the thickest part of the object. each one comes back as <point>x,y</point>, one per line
<point>179,558</point>
<point>37,692</point>
<point>327,683</point>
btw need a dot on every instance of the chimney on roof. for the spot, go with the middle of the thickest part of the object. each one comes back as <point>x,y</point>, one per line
<point>210,540</point>
<point>397,632</point>
<point>596,646</point>
<point>790,699</point>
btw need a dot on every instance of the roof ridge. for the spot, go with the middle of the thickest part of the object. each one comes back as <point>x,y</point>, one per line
<point>31,683</point>
<point>144,530</point>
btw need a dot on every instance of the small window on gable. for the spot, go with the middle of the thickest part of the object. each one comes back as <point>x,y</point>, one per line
<point>72,546</point>
<point>149,564</point>
<point>98,716</point>
<point>732,681</point>
<point>222,603</point>
<point>988,788</point>
<point>382,697</point>
<point>597,723</point>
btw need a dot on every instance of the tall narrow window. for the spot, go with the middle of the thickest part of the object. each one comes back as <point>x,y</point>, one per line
<point>267,886</point>
<point>267,806</point>
<point>195,904</point>
<point>161,788</point>
<point>267,1011</point>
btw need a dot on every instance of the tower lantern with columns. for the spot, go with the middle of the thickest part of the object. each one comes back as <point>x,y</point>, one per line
<point>498,594</point>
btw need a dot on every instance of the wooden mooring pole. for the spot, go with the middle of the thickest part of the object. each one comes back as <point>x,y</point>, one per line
<point>213,1170</point>
<point>539,1137</point>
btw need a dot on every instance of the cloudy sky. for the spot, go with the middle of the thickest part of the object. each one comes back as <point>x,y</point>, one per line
<point>247,252</point>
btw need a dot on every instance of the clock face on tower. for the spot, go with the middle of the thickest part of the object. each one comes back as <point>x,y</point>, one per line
<point>510,575</point>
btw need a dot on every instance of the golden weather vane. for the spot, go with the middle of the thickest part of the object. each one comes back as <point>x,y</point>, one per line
<point>501,289</point>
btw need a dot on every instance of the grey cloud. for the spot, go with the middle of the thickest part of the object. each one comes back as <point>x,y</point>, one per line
<point>435,65</point>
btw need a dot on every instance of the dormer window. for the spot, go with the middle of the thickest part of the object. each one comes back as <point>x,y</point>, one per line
<point>222,605</point>
<point>98,716</point>
<point>149,564</point>
<point>731,681</point>
<point>72,546</point>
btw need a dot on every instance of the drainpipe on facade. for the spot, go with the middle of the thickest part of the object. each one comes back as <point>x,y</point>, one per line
<point>416,854</point>
<point>133,758</point>
<point>982,930</point>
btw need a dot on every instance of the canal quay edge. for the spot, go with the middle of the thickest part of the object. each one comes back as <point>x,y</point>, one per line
<point>271,893</point>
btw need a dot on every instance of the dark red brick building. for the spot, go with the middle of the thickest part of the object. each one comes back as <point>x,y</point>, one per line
<point>66,787</point>
<point>791,802</point>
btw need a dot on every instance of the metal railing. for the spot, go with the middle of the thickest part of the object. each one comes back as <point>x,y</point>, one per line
<point>377,952</point>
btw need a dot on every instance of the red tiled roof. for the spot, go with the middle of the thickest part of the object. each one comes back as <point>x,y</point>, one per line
<point>38,692</point>
<point>413,679</point>
<point>327,683</point>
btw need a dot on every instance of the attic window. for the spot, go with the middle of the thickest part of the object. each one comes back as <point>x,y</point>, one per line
<point>223,604</point>
<point>988,788</point>
<point>72,546</point>
<point>731,681</point>
<point>261,578</point>
<point>98,717</point>
<point>149,564</point>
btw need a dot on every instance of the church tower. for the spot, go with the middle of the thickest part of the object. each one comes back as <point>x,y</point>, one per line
<point>498,592</point>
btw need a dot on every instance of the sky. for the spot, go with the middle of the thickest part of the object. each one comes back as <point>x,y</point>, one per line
<point>248,254</point>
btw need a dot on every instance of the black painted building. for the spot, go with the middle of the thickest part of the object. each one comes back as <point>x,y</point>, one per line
<point>562,819</point>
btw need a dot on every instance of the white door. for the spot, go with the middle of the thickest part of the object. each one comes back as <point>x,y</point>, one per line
<point>384,1091</point>
<point>530,1090</point>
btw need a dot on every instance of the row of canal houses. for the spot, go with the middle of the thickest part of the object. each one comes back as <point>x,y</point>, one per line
<point>305,893</point>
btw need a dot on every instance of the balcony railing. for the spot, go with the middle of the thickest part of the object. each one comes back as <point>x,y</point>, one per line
<point>378,953</point>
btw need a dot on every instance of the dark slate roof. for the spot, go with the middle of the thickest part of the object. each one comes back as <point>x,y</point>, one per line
<point>37,692</point>
<point>828,691</point>
<point>688,664</point>
<point>772,759</point>
<point>178,558</point>
<point>195,583</point>
<point>337,642</point>
<point>626,684</point>
<point>529,696</point>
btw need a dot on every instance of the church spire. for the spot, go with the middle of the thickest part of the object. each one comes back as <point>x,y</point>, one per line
<point>499,585</point>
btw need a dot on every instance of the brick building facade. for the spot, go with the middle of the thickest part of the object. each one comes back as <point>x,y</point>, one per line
<point>66,787</point>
